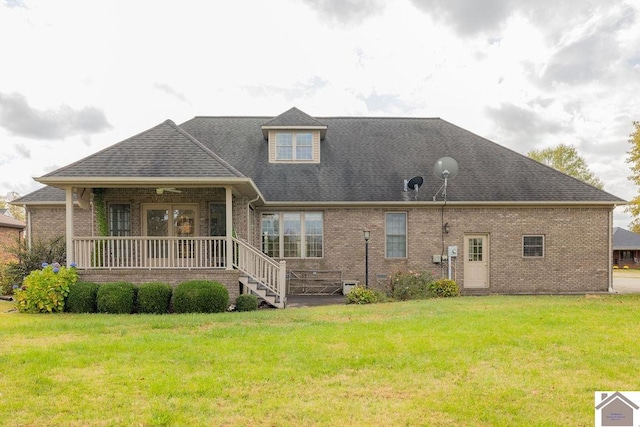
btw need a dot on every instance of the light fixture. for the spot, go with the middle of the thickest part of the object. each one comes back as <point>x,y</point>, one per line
<point>367,235</point>
<point>446,227</point>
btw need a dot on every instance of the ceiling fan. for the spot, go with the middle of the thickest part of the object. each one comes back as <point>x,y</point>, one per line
<point>160,191</point>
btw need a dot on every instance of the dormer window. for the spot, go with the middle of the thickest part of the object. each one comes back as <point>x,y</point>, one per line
<point>294,146</point>
<point>294,137</point>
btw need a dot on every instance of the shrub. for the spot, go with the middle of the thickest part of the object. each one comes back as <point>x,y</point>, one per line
<point>408,285</point>
<point>200,296</point>
<point>154,298</point>
<point>11,276</point>
<point>82,298</point>
<point>116,298</point>
<point>444,288</point>
<point>41,251</point>
<point>362,295</point>
<point>45,290</point>
<point>626,267</point>
<point>247,302</point>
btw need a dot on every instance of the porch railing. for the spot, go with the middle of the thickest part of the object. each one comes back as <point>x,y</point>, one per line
<point>150,252</point>
<point>266,272</point>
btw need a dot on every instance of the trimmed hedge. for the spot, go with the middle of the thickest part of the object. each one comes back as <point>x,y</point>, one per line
<point>82,298</point>
<point>154,297</point>
<point>200,296</point>
<point>247,302</point>
<point>116,298</point>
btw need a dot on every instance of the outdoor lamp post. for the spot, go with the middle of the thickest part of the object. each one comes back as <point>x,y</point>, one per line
<point>367,236</point>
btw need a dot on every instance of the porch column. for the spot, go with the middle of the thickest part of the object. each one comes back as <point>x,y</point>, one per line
<point>229,223</point>
<point>69,225</point>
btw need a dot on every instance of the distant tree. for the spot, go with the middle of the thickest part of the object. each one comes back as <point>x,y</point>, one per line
<point>634,162</point>
<point>16,211</point>
<point>565,158</point>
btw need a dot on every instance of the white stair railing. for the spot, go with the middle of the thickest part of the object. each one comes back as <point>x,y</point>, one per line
<point>272,275</point>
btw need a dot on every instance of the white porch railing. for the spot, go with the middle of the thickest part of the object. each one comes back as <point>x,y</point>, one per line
<point>266,272</point>
<point>150,252</point>
<point>182,252</point>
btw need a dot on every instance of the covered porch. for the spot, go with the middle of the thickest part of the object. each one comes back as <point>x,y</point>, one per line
<point>172,234</point>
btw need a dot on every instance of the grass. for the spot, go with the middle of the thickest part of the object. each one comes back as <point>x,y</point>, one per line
<point>473,361</point>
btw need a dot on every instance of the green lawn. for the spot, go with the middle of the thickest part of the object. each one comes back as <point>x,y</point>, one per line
<point>487,361</point>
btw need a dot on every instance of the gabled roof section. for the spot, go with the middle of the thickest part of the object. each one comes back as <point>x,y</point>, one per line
<point>9,222</point>
<point>294,119</point>
<point>164,151</point>
<point>43,196</point>
<point>625,239</point>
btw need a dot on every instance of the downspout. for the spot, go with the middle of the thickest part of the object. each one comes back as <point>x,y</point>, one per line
<point>610,252</point>
<point>249,219</point>
<point>28,211</point>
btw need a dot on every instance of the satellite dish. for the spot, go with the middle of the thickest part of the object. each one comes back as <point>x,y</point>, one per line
<point>84,197</point>
<point>446,167</point>
<point>413,184</point>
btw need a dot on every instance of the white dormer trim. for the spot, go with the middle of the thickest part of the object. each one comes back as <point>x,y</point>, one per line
<point>266,130</point>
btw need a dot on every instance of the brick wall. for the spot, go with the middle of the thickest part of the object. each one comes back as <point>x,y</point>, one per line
<point>48,223</point>
<point>8,238</point>
<point>576,239</point>
<point>576,246</point>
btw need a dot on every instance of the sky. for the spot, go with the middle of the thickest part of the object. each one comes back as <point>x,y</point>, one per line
<point>77,76</point>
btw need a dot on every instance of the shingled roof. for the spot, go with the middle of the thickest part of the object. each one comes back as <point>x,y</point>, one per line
<point>367,158</point>
<point>10,222</point>
<point>363,159</point>
<point>162,151</point>
<point>625,239</point>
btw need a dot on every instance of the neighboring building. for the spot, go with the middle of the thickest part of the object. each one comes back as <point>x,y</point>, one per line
<point>11,231</point>
<point>626,248</point>
<point>254,200</point>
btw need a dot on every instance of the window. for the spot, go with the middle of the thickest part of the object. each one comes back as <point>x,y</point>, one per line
<point>119,219</point>
<point>294,146</point>
<point>396,235</point>
<point>217,219</point>
<point>532,246</point>
<point>475,249</point>
<point>292,234</point>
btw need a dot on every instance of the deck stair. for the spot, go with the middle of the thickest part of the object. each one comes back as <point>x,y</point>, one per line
<point>261,275</point>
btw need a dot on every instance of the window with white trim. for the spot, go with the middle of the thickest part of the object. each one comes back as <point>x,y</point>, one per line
<point>294,146</point>
<point>533,246</point>
<point>396,235</point>
<point>292,234</point>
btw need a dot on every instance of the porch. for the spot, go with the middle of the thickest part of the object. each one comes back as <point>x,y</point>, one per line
<point>143,258</point>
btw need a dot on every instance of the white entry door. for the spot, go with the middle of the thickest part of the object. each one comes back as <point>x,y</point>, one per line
<point>476,261</point>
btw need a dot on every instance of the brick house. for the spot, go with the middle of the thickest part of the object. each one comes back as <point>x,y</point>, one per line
<point>259,203</point>
<point>11,230</point>
<point>626,248</point>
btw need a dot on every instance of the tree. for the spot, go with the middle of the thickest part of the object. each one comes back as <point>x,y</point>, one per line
<point>634,162</point>
<point>565,158</point>
<point>16,211</point>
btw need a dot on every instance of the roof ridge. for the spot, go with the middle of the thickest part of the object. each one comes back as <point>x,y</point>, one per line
<point>208,151</point>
